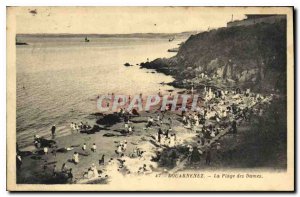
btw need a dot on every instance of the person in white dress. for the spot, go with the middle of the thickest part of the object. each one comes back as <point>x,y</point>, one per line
<point>84,147</point>
<point>119,149</point>
<point>71,125</point>
<point>184,119</point>
<point>46,150</point>
<point>158,118</point>
<point>76,158</point>
<point>126,125</point>
<point>172,140</point>
<point>95,171</point>
<point>213,134</point>
<point>94,147</point>
<point>197,123</point>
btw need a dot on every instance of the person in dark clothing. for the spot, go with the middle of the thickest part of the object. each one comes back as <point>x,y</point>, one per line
<point>183,112</point>
<point>70,175</point>
<point>167,133</point>
<point>53,130</point>
<point>64,168</point>
<point>54,151</point>
<point>159,135</point>
<point>54,170</point>
<point>18,150</point>
<point>234,127</point>
<point>208,157</point>
<point>205,112</point>
<point>45,166</point>
<point>170,121</point>
<point>195,155</point>
<point>19,162</point>
<point>101,161</point>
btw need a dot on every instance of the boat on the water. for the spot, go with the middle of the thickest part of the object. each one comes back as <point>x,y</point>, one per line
<point>86,39</point>
<point>171,39</point>
<point>127,64</point>
<point>21,43</point>
<point>173,50</point>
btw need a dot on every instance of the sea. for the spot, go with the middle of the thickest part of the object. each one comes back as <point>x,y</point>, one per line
<point>59,78</point>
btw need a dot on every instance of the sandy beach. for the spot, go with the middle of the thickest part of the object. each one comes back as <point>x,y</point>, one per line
<point>39,167</point>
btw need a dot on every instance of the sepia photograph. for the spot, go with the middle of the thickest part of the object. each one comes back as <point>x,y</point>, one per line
<point>150,98</point>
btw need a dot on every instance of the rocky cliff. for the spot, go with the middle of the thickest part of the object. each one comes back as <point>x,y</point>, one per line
<point>245,56</point>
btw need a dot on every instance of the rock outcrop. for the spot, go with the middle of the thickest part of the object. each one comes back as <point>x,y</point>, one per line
<point>245,56</point>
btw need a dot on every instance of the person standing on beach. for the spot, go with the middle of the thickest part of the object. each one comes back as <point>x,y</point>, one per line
<point>170,121</point>
<point>95,171</point>
<point>84,147</point>
<point>72,126</point>
<point>76,158</point>
<point>54,151</point>
<point>70,175</point>
<point>124,145</point>
<point>54,170</point>
<point>167,133</point>
<point>208,157</point>
<point>53,129</point>
<point>45,150</point>
<point>159,135</point>
<point>94,147</point>
<point>64,168</point>
<point>234,127</point>
<point>76,127</point>
<point>19,162</point>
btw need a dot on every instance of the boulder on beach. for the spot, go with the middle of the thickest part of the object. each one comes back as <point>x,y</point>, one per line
<point>62,150</point>
<point>109,119</point>
<point>46,143</point>
<point>127,64</point>
<point>85,154</point>
<point>25,153</point>
<point>109,135</point>
<point>135,112</point>
<point>36,157</point>
<point>139,119</point>
<point>97,114</point>
<point>93,130</point>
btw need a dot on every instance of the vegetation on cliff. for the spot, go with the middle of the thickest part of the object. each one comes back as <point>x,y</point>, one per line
<point>246,56</point>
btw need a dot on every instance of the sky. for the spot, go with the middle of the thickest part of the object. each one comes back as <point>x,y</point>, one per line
<point>119,20</point>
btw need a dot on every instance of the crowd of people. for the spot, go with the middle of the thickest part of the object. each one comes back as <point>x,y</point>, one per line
<point>221,111</point>
<point>79,127</point>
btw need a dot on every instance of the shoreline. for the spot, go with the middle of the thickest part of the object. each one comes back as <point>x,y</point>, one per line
<point>144,139</point>
<point>236,127</point>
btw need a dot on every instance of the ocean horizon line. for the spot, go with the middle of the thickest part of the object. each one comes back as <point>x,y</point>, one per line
<point>103,35</point>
